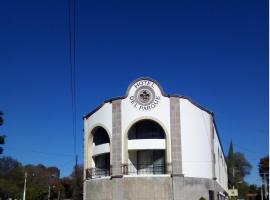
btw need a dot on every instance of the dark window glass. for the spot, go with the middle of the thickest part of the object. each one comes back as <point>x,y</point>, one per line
<point>211,195</point>
<point>146,129</point>
<point>150,162</point>
<point>100,136</point>
<point>102,161</point>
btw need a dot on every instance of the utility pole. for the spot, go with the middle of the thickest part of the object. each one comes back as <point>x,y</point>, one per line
<point>76,162</point>
<point>49,192</point>
<point>58,198</point>
<point>265,185</point>
<point>76,192</point>
<point>24,188</point>
<point>262,192</point>
<point>233,177</point>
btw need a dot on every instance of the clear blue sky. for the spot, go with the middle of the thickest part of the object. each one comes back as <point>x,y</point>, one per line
<point>214,51</point>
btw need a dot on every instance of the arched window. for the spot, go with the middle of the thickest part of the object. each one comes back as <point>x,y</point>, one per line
<point>146,129</point>
<point>100,153</point>
<point>100,136</point>
<point>146,148</point>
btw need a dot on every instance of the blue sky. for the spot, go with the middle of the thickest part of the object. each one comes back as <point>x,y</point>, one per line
<point>214,51</point>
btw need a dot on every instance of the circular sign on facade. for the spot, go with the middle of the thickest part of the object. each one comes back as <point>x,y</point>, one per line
<point>144,98</point>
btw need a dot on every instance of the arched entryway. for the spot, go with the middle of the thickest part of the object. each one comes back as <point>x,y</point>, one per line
<point>146,146</point>
<point>100,153</point>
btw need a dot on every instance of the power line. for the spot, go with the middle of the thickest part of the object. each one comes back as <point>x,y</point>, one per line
<point>72,65</point>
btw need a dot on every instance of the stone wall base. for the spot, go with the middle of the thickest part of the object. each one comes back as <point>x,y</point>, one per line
<point>150,188</point>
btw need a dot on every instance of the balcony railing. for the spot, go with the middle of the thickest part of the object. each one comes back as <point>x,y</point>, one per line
<point>131,169</point>
<point>146,168</point>
<point>93,173</point>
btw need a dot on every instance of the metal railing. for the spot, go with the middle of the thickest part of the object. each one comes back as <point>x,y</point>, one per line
<point>130,169</point>
<point>146,168</point>
<point>93,173</point>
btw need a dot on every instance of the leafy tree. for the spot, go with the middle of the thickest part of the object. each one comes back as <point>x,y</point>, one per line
<point>264,168</point>
<point>238,167</point>
<point>7,164</point>
<point>11,178</point>
<point>77,179</point>
<point>255,190</point>
<point>243,189</point>
<point>1,118</point>
<point>34,192</point>
<point>9,190</point>
<point>40,179</point>
<point>66,182</point>
<point>2,137</point>
<point>242,167</point>
<point>264,171</point>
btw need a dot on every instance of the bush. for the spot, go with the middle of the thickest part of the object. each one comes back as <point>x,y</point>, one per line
<point>202,198</point>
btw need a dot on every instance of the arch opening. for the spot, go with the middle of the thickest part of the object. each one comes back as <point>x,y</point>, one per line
<point>100,136</point>
<point>100,155</point>
<point>146,148</point>
<point>146,129</point>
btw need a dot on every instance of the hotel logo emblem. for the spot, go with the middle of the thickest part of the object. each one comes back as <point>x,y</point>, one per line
<point>144,97</point>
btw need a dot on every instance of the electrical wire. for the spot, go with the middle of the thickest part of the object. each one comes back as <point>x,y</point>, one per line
<point>72,65</point>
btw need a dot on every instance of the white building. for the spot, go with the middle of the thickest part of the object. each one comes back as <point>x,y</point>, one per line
<point>152,145</point>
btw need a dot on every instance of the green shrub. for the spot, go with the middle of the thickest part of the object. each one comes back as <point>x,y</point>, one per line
<point>202,198</point>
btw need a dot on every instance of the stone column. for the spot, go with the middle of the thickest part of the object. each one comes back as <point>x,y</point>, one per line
<point>176,147</point>
<point>116,150</point>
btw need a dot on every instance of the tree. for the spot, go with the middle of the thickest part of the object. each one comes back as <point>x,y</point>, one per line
<point>242,167</point>
<point>77,180</point>
<point>41,179</point>
<point>7,165</point>
<point>11,178</point>
<point>1,118</point>
<point>238,167</point>
<point>255,192</point>
<point>230,166</point>
<point>2,137</point>
<point>264,171</point>
<point>66,182</point>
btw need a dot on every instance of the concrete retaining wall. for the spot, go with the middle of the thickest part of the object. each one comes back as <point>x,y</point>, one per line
<point>150,188</point>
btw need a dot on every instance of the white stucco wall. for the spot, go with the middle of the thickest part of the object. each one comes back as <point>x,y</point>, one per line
<point>217,158</point>
<point>101,149</point>
<point>220,165</point>
<point>144,144</point>
<point>196,146</point>
<point>102,117</point>
<point>160,114</point>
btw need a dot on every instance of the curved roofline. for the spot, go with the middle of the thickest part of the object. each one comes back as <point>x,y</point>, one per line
<point>165,95</point>
<point>162,92</point>
<point>145,78</point>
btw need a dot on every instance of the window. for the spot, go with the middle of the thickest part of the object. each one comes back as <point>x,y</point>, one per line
<point>211,195</point>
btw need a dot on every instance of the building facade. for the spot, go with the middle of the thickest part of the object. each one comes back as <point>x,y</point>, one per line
<point>151,145</point>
